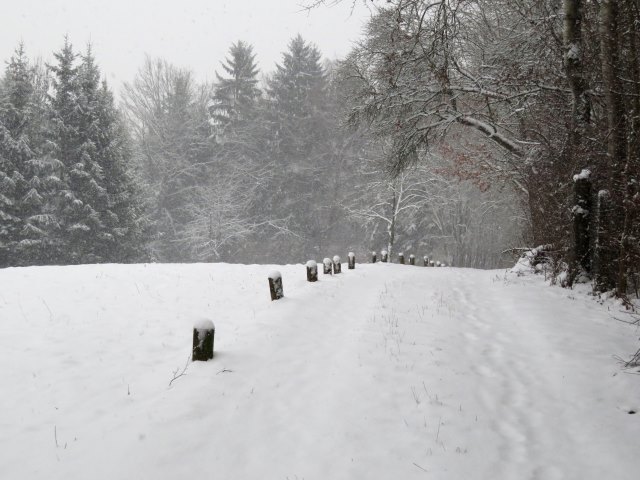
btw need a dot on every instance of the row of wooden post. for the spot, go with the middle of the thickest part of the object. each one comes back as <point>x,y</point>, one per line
<point>384,257</point>
<point>204,332</point>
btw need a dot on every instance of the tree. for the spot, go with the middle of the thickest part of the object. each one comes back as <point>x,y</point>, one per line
<point>169,117</point>
<point>26,175</point>
<point>81,194</point>
<point>236,94</point>
<point>301,127</point>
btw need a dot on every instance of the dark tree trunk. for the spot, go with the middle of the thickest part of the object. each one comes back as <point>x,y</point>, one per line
<point>582,216</point>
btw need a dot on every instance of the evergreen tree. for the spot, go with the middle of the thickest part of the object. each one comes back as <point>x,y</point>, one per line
<point>25,177</point>
<point>118,237</point>
<point>236,92</point>
<point>72,122</point>
<point>301,150</point>
<point>124,235</point>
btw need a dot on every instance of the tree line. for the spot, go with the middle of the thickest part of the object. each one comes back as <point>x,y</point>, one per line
<point>253,167</point>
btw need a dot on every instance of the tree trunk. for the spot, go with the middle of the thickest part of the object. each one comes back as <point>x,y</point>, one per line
<point>609,232</point>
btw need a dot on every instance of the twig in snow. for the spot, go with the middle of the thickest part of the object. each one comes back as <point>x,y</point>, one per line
<point>225,370</point>
<point>50,312</point>
<point>421,468</point>
<point>182,373</point>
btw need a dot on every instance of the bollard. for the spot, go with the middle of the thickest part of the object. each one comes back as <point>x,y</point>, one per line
<point>438,264</point>
<point>352,260</point>
<point>432,263</point>
<point>337,268</point>
<point>425,259</point>
<point>326,266</point>
<point>374,257</point>
<point>412,259</point>
<point>203,334</point>
<point>401,258</point>
<point>312,271</point>
<point>384,256</point>
<point>275,285</point>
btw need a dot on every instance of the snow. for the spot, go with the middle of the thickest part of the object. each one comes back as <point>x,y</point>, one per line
<point>583,175</point>
<point>203,324</point>
<point>326,261</point>
<point>578,210</point>
<point>462,373</point>
<point>573,53</point>
<point>275,274</point>
<point>311,264</point>
<point>351,255</point>
<point>336,259</point>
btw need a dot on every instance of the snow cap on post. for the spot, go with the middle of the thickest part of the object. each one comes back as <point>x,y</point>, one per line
<point>275,285</point>
<point>585,174</point>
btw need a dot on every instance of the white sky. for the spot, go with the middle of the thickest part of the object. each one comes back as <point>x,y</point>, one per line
<point>189,33</point>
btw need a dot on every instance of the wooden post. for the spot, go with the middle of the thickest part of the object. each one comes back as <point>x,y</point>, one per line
<point>412,259</point>
<point>432,263</point>
<point>203,335</point>
<point>401,258</point>
<point>275,285</point>
<point>384,256</point>
<point>352,260</point>
<point>425,260</point>
<point>312,271</point>
<point>374,257</point>
<point>327,264</point>
<point>337,268</point>
<point>438,264</point>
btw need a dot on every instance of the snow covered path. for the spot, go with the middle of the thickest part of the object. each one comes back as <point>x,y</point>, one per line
<point>383,372</point>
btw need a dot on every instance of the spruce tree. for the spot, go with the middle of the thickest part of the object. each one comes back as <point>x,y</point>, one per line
<point>25,177</point>
<point>236,92</point>
<point>123,238</point>
<point>301,145</point>
<point>72,123</point>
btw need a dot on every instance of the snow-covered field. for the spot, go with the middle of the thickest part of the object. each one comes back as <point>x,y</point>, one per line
<point>383,372</point>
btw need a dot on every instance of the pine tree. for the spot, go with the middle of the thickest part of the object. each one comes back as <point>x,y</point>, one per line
<point>73,121</point>
<point>301,146</point>
<point>124,235</point>
<point>299,83</point>
<point>237,92</point>
<point>25,176</point>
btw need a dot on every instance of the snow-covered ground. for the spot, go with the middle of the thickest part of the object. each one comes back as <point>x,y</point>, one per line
<point>382,372</point>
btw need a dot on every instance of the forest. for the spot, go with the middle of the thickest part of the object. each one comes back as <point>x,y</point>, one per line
<point>465,130</point>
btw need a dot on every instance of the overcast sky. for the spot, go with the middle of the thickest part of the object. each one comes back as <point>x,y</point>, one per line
<point>189,33</point>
